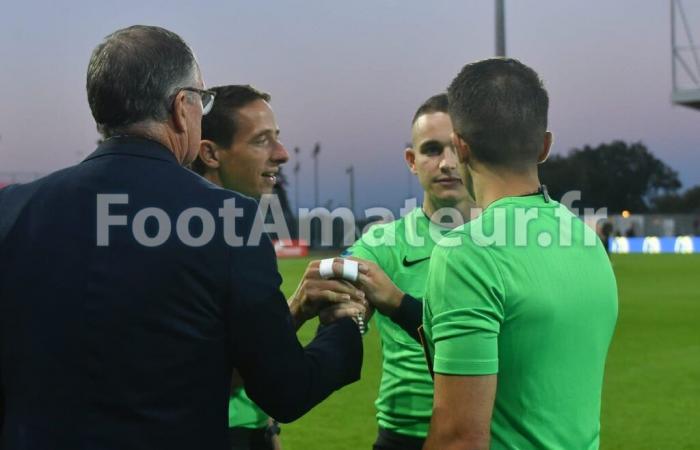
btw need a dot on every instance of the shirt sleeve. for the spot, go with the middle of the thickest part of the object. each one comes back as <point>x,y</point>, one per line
<point>464,309</point>
<point>264,342</point>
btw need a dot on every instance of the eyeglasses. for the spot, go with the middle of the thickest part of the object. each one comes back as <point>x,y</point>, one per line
<point>206,96</point>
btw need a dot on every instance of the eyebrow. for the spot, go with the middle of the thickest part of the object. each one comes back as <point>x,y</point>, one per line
<point>276,132</point>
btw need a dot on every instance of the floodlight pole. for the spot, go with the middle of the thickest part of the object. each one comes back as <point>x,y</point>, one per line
<point>500,28</point>
<point>297,166</point>
<point>317,150</point>
<point>351,172</point>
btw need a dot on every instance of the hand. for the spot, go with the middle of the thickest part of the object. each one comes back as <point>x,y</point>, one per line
<point>315,293</point>
<point>337,311</point>
<point>381,292</point>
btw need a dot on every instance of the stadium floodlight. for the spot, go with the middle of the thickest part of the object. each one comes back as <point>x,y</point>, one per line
<point>685,59</point>
<point>297,167</point>
<point>500,28</point>
<point>314,154</point>
<point>351,172</point>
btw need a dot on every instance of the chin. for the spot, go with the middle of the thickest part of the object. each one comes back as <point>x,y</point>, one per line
<point>450,197</point>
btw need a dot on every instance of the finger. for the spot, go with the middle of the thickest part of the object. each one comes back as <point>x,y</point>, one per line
<point>330,268</point>
<point>339,286</point>
<point>312,273</point>
<point>343,287</point>
<point>363,266</point>
<point>346,308</point>
<point>326,268</point>
<point>338,264</point>
<point>346,269</point>
<point>354,289</point>
<point>333,297</point>
<point>364,281</point>
<point>312,267</point>
<point>339,311</point>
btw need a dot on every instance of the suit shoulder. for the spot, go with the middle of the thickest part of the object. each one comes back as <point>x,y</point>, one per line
<point>15,191</point>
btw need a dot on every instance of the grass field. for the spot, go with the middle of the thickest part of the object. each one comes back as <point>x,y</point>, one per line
<point>651,397</point>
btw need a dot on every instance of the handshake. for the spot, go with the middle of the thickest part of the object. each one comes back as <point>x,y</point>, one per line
<point>334,288</point>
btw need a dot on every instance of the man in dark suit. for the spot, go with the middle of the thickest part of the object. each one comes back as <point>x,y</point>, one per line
<point>241,150</point>
<point>130,287</point>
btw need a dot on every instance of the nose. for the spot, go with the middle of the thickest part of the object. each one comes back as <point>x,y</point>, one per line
<point>449,160</point>
<point>279,155</point>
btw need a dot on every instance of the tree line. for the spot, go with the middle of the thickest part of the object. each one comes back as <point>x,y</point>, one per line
<point>619,176</point>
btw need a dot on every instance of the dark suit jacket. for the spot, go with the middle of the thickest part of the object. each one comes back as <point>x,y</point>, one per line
<point>132,347</point>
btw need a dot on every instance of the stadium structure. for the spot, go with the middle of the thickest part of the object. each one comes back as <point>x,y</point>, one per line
<point>685,57</point>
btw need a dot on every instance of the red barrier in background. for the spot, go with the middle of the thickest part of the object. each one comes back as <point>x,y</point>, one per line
<point>291,248</point>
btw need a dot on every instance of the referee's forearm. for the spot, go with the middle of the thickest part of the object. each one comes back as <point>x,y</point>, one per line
<point>409,315</point>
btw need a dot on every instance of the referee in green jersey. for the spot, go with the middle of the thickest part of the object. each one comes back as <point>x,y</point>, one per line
<point>522,297</point>
<point>240,150</point>
<point>400,252</point>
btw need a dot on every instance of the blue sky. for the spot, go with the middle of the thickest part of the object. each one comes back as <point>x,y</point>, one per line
<point>350,75</point>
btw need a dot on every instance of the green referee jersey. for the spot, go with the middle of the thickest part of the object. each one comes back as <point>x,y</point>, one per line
<point>538,311</point>
<point>402,249</point>
<point>242,412</point>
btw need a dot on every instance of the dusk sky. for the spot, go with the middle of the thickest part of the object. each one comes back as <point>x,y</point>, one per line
<point>351,74</point>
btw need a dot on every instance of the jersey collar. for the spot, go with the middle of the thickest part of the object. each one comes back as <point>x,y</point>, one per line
<point>418,226</point>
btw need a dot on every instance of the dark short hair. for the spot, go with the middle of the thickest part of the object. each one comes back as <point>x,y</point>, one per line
<point>436,103</point>
<point>499,107</point>
<point>221,124</point>
<point>132,76</point>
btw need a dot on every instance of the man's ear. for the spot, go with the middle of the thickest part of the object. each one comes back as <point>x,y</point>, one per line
<point>208,155</point>
<point>546,147</point>
<point>410,156</point>
<point>179,111</point>
<point>462,148</point>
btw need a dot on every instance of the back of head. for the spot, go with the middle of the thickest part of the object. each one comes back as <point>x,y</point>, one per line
<point>499,107</point>
<point>220,124</point>
<point>132,75</point>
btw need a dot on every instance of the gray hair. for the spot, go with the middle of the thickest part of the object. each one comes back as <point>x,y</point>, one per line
<point>133,74</point>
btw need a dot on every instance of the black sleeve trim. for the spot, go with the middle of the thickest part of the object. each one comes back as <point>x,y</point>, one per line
<point>409,315</point>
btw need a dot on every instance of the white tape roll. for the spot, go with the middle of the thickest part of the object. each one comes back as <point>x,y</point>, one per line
<point>350,270</point>
<point>325,269</point>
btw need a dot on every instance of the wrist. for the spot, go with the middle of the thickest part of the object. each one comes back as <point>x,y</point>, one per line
<point>394,301</point>
<point>409,315</point>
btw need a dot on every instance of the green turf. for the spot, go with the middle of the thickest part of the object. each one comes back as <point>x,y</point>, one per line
<point>651,397</point>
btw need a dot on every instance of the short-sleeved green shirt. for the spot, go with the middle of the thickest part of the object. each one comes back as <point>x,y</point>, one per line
<point>243,413</point>
<point>402,249</point>
<point>538,310</point>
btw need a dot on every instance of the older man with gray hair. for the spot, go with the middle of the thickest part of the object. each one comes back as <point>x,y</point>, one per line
<point>130,287</point>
